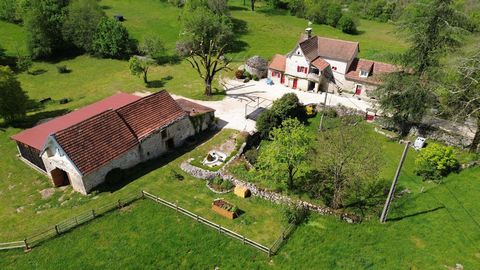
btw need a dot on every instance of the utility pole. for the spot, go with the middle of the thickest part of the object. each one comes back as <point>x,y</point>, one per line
<point>323,111</point>
<point>383,217</point>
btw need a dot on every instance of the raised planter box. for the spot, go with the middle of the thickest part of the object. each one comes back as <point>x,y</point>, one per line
<point>221,207</point>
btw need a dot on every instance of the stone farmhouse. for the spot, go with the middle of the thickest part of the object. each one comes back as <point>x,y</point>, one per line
<point>320,64</point>
<point>82,147</point>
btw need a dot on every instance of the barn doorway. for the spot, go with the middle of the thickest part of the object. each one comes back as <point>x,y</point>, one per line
<point>170,144</point>
<point>60,177</point>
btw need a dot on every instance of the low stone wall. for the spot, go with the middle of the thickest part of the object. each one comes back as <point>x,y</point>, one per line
<point>260,192</point>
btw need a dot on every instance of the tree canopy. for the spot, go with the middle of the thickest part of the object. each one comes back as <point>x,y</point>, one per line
<point>13,100</point>
<point>111,39</point>
<point>287,153</point>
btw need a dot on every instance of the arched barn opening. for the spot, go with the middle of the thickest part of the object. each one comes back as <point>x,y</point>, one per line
<point>60,177</point>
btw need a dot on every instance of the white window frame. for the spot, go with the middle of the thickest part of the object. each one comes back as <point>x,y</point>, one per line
<point>364,73</point>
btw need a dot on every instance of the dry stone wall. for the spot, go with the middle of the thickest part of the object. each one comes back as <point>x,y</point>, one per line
<point>263,193</point>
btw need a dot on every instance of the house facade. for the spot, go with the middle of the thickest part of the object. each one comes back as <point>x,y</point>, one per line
<point>83,147</point>
<point>321,64</point>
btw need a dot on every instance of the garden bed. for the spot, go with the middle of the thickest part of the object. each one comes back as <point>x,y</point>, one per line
<point>220,186</point>
<point>225,208</point>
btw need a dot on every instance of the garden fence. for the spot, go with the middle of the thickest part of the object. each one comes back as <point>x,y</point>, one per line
<point>285,234</point>
<point>68,224</point>
<point>207,222</point>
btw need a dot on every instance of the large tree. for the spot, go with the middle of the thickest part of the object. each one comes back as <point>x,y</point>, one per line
<point>349,160</point>
<point>43,23</point>
<point>432,27</point>
<point>287,153</point>
<point>461,100</point>
<point>13,100</point>
<point>111,39</point>
<point>205,39</point>
<point>80,24</point>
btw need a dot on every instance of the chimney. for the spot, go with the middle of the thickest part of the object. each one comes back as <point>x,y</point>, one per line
<point>308,31</point>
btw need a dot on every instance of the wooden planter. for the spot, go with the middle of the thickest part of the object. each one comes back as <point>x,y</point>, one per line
<point>222,211</point>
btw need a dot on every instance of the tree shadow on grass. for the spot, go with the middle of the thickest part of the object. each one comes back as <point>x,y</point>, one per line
<point>417,213</point>
<point>274,11</point>
<point>118,178</point>
<point>159,83</point>
<point>33,119</point>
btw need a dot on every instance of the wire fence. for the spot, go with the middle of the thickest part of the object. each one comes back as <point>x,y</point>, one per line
<point>212,225</point>
<point>68,224</point>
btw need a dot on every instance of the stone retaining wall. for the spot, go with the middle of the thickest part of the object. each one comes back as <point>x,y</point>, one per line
<point>260,192</point>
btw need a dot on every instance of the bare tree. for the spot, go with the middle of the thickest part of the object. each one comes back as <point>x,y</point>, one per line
<point>206,60</point>
<point>462,99</point>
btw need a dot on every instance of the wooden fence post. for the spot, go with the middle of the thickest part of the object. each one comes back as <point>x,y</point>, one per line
<point>27,247</point>
<point>219,228</point>
<point>56,230</point>
<point>93,213</point>
<point>119,204</point>
<point>143,194</point>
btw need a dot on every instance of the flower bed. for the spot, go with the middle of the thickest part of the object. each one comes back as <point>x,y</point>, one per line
<point>225,208</point>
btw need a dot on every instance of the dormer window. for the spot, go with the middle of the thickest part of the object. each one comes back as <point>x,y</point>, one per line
<point>363,73</point>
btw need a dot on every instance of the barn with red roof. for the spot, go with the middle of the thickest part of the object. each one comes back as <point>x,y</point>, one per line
<point>82,147</point>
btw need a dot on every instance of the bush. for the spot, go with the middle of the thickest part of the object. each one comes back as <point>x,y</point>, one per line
<point>334,13</point>
<point>347,25</point>
<point>111,39</point>
<point>174,175</point>
<point>62,69</point>
<point>239,74</point>
<point>295,214</point>
<point>255,78</point>
<point>247,75</point>
<point>226,185</point>
<point>436,161</point>
<point>252,155</point>
<point>288,106</point>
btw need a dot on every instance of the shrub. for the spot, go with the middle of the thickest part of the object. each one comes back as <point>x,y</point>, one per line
<point>111,39</point>
<point>247,75</point>
<point>435,162</point>
<point>226,185</point>
<point>252,156</point>
<point>347,25</point>
<point>239,74</point>
<point>295,214</point>
<point>241,138</point>
<point>62,69</point>
<point>255,78</point>
<point>174,175</point>
<point>334,13</point>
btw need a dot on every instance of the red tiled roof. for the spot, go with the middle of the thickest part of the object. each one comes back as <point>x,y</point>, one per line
<point>151,113</point>
<point>278,62</point>
<point>96,141</point>
<point>377,69</point>
<point>320,64</point>
<point>335,49</point>
<point>36,136</point>
<point>193,108</point>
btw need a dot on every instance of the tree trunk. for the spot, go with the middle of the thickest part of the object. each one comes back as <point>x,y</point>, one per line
<point>145,79</point>
<point>253,4</point>
<point>290,177</point>
<point>208,86</point>
<point>337,197</point>
<point>476,138</point>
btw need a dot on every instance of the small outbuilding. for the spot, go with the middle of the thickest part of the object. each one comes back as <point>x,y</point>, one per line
<point>257,66</point>
<point>242,191</point>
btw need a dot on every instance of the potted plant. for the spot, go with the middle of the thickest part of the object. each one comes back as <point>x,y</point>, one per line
<point>225,208</point>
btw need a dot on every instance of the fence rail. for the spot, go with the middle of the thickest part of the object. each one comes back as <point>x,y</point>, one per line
<point>207,222</point>
<point>285,234</point>
<point>68,224</point>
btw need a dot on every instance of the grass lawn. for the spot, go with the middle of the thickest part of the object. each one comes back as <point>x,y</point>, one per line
<point>144,235</point>
<point>24,212</point>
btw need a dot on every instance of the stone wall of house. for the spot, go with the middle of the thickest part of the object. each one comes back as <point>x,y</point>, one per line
<point>203,121</point>
<point>59,159</point>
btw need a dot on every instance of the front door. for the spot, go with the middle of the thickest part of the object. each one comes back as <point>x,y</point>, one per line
<point>358,89</point>
<point>294,83</point>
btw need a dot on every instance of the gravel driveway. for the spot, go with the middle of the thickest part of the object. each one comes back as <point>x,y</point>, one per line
<point>231,110</point>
